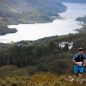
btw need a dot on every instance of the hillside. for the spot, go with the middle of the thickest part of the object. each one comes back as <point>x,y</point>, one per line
<point>82,21</point>
<point>40,63</point>
<point>28,11</point>
<point>42,55</point>
<point>41,79</point>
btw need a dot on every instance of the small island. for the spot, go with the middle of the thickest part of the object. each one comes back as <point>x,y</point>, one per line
<point>5,30</point>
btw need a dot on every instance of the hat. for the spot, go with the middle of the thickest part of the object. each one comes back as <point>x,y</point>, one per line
<point>80,49</point>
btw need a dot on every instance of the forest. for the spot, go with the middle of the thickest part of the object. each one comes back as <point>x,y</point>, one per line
<point>42,55</point>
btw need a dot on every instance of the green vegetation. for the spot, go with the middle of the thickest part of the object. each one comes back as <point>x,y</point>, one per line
<point>39,63</point>
<point>36,63</point>
<point>42,55</point>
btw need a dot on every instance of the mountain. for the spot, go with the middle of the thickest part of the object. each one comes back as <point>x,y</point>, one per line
<point>74,1</point>
<point>27,11</point>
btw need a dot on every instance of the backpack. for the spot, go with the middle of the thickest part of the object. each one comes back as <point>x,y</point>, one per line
<point>79,58</point>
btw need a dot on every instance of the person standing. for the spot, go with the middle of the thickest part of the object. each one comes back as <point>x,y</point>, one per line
<point>79,60</point>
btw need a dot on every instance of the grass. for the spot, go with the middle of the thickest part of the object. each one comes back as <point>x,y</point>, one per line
<point>39,79</point>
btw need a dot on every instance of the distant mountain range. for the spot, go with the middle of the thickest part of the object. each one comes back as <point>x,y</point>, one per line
<point>28,11</point>
<point>74,1</point>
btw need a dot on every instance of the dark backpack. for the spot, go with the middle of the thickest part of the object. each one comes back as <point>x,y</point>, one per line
<point>79,58</point>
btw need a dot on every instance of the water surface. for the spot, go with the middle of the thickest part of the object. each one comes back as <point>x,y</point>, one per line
<point>57,27</point>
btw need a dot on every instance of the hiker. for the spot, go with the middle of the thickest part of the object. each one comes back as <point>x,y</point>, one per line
<point>79,61</point>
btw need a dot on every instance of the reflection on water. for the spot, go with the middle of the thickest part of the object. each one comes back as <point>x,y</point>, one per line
<point>57,27</point>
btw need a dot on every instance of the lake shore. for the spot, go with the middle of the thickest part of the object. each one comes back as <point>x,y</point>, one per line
<point>63,26</point>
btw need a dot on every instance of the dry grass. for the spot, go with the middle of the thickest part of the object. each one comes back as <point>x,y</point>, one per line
<point>41,79</point>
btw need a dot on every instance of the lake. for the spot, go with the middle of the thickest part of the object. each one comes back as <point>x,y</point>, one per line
<point>36,31</point>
